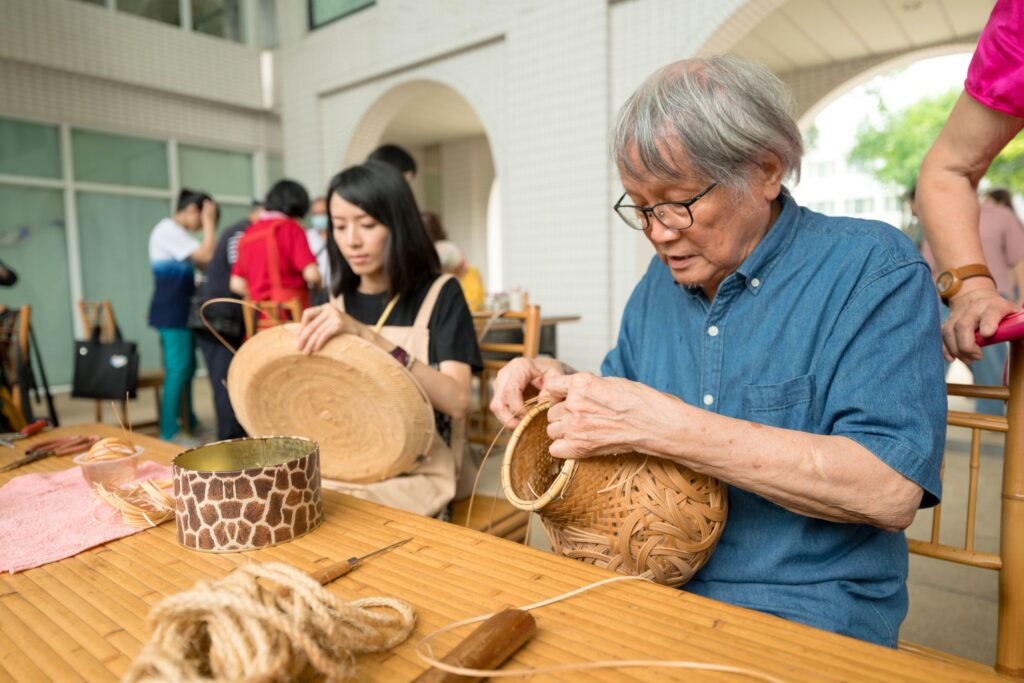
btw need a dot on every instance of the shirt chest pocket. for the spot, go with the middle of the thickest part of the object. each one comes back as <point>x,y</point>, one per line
<point>785,405</point>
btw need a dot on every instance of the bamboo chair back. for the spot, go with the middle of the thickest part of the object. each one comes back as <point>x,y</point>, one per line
<point>95,313</point>
<point>1009,560</point>
<point>483,426</point>
<point>270,314</point>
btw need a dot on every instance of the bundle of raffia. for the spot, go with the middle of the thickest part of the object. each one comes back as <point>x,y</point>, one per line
<point>265,622</point>
<point>631,513</point>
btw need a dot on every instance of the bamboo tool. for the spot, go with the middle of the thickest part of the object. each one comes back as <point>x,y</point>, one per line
<point>628,512</point>
<point>340,569</point>
<point>487,647</point>
<point>65,445</point>
<point>299,626</point>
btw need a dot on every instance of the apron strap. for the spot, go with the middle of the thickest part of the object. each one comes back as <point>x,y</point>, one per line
<point>427,307</point>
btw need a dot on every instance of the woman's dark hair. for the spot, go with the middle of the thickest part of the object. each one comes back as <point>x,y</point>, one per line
<point>187,198</point>
<point>380,190</point>
<point>1001,195</point>
<point>432,222</point>
<point>395,156</point>
<point>288,197</point>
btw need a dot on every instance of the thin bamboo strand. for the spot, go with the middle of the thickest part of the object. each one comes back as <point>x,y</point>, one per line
<point>972,491</point>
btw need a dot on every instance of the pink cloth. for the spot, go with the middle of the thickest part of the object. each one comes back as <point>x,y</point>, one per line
<point>996,75</point>
<point>47,517</point>
<point>1002,240</point>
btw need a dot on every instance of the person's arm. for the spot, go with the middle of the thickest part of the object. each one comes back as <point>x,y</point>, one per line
<point>239,285</point>
<point>311,274</point>
<point>828,477</point>
<point>448,388</point>
<point>947,204</point>
<point>204,252</point>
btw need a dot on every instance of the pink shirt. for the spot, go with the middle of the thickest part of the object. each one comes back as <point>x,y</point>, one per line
<point>1002,240</point>
<point>996,75</point>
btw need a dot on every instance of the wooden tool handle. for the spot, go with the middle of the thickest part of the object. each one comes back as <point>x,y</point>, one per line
<point>334,571</point>
<point>493,642</point>
<point>323,576</point>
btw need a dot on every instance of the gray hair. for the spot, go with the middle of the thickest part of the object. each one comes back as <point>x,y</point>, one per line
<point>721,111</point>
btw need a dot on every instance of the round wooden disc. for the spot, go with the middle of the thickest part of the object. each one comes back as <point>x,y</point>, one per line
<point>369,415</point>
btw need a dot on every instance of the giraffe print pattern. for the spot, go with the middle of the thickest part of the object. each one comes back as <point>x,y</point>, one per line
<point>248,509</point>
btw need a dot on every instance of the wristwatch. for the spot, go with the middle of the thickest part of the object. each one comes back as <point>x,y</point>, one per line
<point>949,282</point>
<point>403,357</point>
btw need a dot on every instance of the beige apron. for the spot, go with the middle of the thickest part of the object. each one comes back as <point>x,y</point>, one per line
<point>429,487</point>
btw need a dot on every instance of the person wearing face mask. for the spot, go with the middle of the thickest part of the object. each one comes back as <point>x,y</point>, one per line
<point>316,235</point>
<point>387,288</point>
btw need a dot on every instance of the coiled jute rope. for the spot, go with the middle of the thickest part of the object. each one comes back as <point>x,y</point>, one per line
<point>265,622</point>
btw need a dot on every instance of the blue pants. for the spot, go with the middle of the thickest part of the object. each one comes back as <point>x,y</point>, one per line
<point>218,358</point>
<point>179,361</point>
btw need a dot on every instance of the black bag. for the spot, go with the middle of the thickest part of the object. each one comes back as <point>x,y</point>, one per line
<point>225,318</point>
<point>107,370</point>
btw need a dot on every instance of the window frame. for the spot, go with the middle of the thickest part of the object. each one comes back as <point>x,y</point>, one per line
<point>313,27</point>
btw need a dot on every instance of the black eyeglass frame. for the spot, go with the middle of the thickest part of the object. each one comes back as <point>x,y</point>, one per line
<point>648,211</point>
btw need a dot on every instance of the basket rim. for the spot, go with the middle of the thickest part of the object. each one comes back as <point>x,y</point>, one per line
<point>557,486</point>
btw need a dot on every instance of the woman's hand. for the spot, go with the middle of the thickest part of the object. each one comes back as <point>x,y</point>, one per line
<point>515,379</point>
<point>319,324</point>
<point>978,310</point>
<point>606,415</point>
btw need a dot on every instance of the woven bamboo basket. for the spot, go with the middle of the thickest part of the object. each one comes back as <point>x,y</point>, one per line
<point>372,419</point>
<point>630,513</point>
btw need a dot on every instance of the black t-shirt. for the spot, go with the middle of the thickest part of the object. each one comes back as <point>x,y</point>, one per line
<point>218,273</point>
<point>452,335</point>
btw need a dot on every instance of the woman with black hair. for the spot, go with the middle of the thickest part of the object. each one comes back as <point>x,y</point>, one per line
<point>386,287</point>
<point>274,260</point>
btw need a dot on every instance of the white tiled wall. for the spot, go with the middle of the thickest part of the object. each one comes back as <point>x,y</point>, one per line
<point>64,61</point>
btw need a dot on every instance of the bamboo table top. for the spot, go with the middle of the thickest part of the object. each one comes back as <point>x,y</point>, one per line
<point>85,617</point>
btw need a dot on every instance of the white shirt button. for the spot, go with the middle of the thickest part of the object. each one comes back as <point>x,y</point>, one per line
<point>708,399</point>
<point>713,331</point>
<point>755,283</point>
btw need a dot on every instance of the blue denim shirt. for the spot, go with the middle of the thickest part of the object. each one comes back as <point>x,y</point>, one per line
<point>830,326</point>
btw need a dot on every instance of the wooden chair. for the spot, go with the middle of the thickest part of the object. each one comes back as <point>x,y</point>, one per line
<point>496,515</point>
<point>16,330</point>
<point>275,312</point>
<point>1009,560</point>
<point>483,426</point>
<point>101,313</point>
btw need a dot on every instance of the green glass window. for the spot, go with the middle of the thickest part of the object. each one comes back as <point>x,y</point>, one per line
<point>167,11</point>
<point>216,172</point>
<point>119,160</point>
<point>30,149</point>
<point>32,230</point>
<point>114,237</point>
<point>231,214</point>
<point>325,11</point>
<point>275,169</point>
<point>221,18</point>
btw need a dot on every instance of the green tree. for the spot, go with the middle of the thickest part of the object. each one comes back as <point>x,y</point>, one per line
<point>891,147</point>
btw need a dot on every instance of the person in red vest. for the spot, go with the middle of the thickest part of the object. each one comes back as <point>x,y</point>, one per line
<point>274,260</point>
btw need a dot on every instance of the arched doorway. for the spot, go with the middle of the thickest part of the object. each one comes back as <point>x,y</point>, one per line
<point>446,136</point>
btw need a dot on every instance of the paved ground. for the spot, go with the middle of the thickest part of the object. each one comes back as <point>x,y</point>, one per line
<point>952,608</point>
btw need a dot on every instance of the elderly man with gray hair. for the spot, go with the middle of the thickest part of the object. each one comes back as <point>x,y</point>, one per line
<point>792,355</point>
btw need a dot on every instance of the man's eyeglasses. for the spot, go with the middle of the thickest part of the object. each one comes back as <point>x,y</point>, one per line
<point>673,215</point>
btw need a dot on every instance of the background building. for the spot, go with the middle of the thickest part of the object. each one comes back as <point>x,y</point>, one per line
<point>110,106</point>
